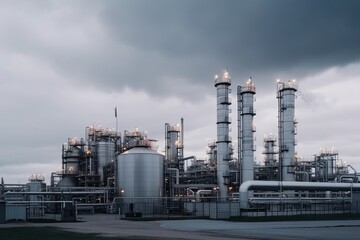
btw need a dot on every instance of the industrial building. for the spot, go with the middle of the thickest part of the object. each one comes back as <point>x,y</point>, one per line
<point>106,171</point>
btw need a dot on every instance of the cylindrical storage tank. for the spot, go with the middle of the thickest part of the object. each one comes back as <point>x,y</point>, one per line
<point>105,153</point>
<point>140,180</point>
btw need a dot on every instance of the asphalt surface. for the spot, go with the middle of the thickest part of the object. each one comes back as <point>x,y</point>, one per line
<point>109,225</point>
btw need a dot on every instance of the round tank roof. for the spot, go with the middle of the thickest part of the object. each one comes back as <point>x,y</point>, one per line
<point>141,150</point>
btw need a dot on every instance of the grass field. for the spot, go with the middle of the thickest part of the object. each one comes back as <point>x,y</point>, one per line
<point>47,233</point>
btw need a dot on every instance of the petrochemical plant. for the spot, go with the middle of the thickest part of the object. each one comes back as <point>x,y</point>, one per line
<point>124,174</point>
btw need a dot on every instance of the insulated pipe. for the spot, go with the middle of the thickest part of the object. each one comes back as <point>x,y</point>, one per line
<point>177,174</point>
<point>187,158</point>
<point>194,186</point>
<point>192,194</point>
<point>290,185</point>
<point>304,173</point>
<point>199,192</point>
<point>352,169</point>
<point>349,175</point>
<point>53,193</point>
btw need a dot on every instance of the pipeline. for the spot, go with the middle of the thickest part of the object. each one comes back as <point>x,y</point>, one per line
<point>290,185</point>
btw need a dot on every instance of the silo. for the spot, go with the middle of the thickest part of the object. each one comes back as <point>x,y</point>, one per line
<point>140,179</point>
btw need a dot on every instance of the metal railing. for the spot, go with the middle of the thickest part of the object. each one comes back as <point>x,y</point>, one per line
<point>211,207</point>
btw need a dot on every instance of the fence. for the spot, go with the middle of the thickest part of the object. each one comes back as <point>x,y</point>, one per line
<point>164,208</point>
<point>300,209</point>
<point>179,208</point>
<point>41,211</point>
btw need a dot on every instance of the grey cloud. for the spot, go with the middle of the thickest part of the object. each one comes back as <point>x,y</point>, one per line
<point>149,45</point>
<point>253,37</point>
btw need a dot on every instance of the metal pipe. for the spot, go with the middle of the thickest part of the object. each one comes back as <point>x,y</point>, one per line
<point>182,139</point>
<point>352,176</point>
<point>187,158</point>
<point>177,174</point>
<point>166,142</point>
<point>194,186</point>
<point>354,171</point>
<point>21,202</point>
<point>52,193</point>
<point>291,185</point>
<point>199,192</point>
<point>192,194</point>
<point>305,173</point>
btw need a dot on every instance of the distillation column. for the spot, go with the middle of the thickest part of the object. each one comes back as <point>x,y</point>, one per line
<point>223,122</point>
<point>287,129</point>
<point>270,151</point>
<point>270,157</point>
<point>246,129</point>
<point>174,146</point>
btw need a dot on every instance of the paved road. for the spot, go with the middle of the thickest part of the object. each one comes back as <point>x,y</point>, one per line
<point>344,229</point>
<point>209,229</point>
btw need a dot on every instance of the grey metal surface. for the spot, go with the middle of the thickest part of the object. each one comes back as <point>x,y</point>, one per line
<point>105,154</point>
<point>269,150</point>
<point>291,185</point>
<point>67,181</point>
<point>173,141</point>
<point>72,156</point>
<point>140,173</point>
<point>246,114</point>
<point>223,141</point>
<point>286,101</point>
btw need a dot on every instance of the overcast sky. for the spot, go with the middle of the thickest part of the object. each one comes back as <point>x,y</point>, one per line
<point>65,65</point>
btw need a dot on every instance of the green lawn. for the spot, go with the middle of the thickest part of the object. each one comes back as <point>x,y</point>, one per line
<point>47,233</point>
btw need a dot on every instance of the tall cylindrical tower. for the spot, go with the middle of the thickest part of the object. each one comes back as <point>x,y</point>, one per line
<point>246,130</point>
<point>223,122</point>
<point>174,147</point>
<point>287,129</point>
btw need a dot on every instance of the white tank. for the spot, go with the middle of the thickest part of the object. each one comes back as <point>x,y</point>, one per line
<point>140,173</point>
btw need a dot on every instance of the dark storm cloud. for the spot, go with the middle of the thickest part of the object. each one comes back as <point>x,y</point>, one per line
<point>162,46</point>
<point>251,37</point>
